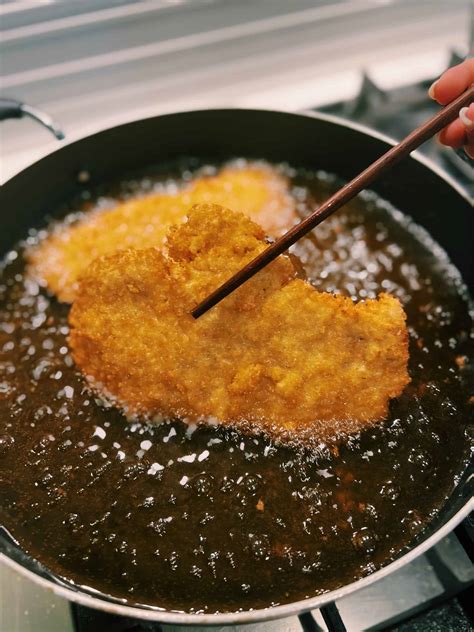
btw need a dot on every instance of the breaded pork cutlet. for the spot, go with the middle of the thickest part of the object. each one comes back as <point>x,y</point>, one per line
<point>276,355</point>
<point>257,190</point>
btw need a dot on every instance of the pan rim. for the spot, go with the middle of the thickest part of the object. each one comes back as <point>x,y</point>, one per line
<point>293,608</point>
<point>416,155</point>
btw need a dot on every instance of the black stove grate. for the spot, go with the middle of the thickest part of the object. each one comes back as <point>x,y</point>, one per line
<point>397,112</point>
<point>88,620</point>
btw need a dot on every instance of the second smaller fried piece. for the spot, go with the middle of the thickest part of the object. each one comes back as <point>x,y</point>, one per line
<point>256,189</point>
<point>275,355</point>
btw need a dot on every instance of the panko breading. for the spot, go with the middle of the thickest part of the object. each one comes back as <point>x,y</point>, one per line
<point>275,355</point>
<point>256,190</point>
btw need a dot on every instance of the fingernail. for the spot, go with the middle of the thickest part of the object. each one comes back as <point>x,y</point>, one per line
<point>466,121</point>
<point>469,152</point>
<point>432,89</point>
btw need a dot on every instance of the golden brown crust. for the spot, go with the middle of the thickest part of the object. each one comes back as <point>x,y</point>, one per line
<point>276,353</point>
<point>257,190</point>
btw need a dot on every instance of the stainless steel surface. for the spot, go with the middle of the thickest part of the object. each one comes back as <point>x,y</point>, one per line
<point>26,607</point>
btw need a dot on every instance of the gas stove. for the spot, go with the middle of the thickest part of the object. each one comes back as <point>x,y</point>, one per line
<point>88,88</point>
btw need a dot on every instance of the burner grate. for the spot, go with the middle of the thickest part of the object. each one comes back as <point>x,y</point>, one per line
<point>397,112</point>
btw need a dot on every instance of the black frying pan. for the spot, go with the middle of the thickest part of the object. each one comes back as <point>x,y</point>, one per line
<point>316,141</point>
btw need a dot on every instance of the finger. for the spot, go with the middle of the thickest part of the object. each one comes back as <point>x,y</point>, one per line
<point>466,116</point>
<point>453,82</point>
<point>454,135</point>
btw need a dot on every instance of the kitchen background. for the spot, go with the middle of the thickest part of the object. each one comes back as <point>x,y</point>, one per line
<point>97,63</point>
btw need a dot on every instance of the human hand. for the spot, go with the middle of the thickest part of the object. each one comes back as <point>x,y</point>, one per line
<point>459,133</point>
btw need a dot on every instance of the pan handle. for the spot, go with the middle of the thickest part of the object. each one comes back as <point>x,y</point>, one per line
<point>11,109</point>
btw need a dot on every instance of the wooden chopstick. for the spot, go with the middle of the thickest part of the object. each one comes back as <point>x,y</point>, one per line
<point>341,197</point>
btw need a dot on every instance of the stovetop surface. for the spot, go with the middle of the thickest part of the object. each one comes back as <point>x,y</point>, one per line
<point>435,592</point>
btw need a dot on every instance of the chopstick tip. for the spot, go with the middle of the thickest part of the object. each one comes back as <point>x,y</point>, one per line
<point>198,311</point>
